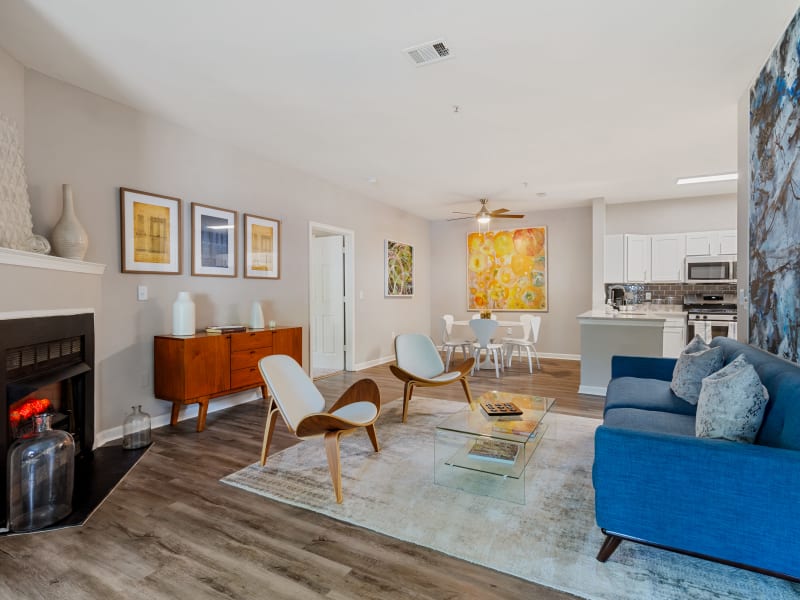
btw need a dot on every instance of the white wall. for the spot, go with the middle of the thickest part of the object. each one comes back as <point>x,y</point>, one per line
<point>569,248</point>
<point>677,215</point>
<point>97,145</point>
<point>12,91</point>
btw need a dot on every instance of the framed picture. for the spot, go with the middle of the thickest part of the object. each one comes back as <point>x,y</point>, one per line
<point>507,270</point>
<point>398,276</point>
<point>262,247</point>
<point>213,241</point>
<point>150,232</point>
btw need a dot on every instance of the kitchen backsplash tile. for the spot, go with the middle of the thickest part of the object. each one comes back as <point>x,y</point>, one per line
<point>671,293</point>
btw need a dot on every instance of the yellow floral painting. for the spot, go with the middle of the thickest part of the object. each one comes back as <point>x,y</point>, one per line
<point>507,270</point>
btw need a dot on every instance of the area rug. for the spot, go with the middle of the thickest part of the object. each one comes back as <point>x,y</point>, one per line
<point>551,540</point>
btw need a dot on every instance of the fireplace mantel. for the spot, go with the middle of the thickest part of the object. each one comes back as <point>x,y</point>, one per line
<point>43,261</point>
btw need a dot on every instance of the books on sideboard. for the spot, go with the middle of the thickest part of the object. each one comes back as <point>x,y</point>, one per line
<point>225,328</point>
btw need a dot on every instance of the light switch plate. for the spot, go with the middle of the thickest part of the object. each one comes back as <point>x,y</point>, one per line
<point>141,292</point>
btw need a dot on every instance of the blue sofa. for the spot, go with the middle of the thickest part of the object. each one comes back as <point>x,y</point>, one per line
<point>658,484</point>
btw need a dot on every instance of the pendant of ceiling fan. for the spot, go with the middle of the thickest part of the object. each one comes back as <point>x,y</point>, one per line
<point>484,215</point>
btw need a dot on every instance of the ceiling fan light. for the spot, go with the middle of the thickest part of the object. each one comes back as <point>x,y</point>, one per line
<point>483,219</point>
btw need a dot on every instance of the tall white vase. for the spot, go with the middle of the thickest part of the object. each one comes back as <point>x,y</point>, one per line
<point>69,237</point>
<point>256,316</point>
<point>183,315</point>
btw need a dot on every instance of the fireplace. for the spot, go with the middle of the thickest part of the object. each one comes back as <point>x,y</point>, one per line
<point>49,366</point>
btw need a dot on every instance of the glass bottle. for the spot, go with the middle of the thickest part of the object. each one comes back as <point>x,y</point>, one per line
<point>41,476</point>
<point>136,429</point>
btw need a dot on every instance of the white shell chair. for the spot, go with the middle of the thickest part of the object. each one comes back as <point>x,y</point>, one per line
<point>450,344</point>
<point>302,408</point>
<point>484,330</point>
<point>530,335</point>
<point>419,364</point>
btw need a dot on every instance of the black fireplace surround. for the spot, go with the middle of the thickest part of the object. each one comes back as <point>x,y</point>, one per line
<point>57,353</point>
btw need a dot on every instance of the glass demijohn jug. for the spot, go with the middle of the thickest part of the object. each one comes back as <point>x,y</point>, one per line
<point>41,474</point>
<point>136,429</point>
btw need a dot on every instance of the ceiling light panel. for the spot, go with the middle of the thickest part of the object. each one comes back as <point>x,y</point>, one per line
<point>429,53</point>
<point>708,178</point>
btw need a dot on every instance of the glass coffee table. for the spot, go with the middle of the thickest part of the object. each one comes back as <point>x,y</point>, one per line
<point>487,455</point>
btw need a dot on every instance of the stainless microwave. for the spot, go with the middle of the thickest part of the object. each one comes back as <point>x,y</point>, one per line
<point>710,269</point>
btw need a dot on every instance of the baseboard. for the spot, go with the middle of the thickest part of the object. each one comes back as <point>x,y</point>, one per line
<point>187,412</point>
<point>561,356</point>
<point>592,390</point>
<point>373,363</point>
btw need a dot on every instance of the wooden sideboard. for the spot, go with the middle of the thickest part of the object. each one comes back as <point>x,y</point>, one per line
<point>194,369</point>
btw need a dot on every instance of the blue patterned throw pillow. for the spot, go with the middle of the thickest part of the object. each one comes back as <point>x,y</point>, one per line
<point>698,360</point>
<point>732,403</point>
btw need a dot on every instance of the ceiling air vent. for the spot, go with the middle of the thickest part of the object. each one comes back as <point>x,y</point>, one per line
<point>429,52</point>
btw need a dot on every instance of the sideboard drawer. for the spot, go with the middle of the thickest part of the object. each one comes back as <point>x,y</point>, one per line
<point>251,339</point>
<point>246,377</point>
<point>248,358</point>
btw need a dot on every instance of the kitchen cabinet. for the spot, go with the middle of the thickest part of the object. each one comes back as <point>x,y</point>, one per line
<point>637,258</point>
<point>614,259</point>
<point>711,243</point>
<point>668,252</point>
<point>674,336</point>
<point>194,369</point>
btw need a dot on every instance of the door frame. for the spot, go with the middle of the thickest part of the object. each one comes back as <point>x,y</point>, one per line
<point>349,291</point>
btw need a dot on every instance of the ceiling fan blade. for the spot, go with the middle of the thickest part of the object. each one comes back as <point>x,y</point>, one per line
<point>499,211</point>
<point>507,216</point>
<point>459,212</point>
<point>460,218</point>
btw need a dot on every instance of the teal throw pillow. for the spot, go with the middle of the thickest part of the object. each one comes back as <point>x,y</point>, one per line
<point>697,361</point>
<point>732,403</point>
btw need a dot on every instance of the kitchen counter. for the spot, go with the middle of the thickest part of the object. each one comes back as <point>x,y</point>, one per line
<point>637,332</point>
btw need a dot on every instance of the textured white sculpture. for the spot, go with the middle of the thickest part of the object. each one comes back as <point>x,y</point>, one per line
<point>16,224</point>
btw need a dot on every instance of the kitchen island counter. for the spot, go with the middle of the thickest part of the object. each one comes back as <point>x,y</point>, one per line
<point>627,333</point>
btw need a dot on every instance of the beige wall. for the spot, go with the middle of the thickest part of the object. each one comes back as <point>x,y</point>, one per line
<point>569,247</point>
<point>678,215</point>
<point>12,91</point>
<point>73,136</point>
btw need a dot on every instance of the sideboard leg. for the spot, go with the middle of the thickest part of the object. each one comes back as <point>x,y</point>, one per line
<point>607,549</point>
<point>176,409</point>
<point>201,414</point>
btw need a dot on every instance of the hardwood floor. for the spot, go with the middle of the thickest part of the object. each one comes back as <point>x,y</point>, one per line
<point>171,530</point>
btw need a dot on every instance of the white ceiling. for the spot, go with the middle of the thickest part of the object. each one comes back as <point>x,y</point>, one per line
<point>578,98</point>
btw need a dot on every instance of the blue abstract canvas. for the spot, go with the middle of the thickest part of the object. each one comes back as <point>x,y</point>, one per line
<point>775,200</point>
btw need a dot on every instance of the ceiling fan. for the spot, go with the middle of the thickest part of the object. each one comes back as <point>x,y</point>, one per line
<point>484,215</point>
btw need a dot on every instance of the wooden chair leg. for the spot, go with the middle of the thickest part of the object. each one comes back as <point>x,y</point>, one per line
<point>334,464</point>
<point>176,411</point>
<point>407,391</point>
<point>465,385</point>
<point>272,417</point>
<point>607,549</point>
<point>373,437</point>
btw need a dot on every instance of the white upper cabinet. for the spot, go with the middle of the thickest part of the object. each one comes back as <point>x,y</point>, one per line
<point>637,258</point>
<point>711,243</point>
<point>668,253</point>
<point>727,242</point>
<point>614,259</point>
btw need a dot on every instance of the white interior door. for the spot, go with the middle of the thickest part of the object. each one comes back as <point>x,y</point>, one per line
<point>327,302</point>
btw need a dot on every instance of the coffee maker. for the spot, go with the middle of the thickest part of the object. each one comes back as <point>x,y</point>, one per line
<point>616,296</point>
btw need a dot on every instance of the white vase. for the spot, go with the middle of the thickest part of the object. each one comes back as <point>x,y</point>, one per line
<point>69,237</point>
<point>183,315</point>
<point>256,316</point>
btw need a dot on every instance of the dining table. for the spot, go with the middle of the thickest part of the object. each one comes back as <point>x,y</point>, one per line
<point>487,362</point>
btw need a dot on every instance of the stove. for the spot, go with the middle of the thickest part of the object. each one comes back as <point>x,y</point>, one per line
<point>711,315</point>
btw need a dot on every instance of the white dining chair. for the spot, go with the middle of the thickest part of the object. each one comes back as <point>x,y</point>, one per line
<point>484,330</point>
<point>451,344</point>
<point>530,335</point>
